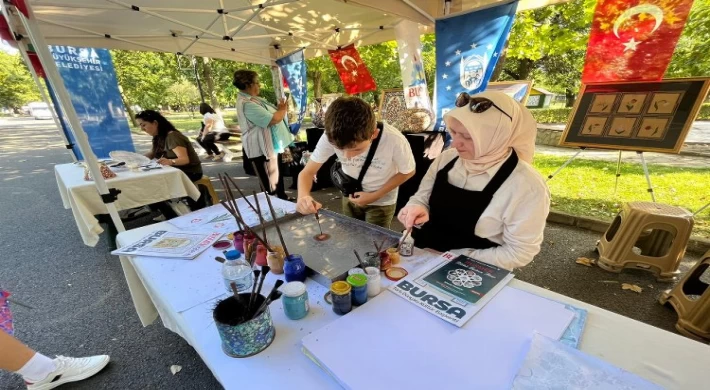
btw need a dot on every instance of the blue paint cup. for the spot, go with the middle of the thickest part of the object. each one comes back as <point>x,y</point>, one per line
<point>244,339</point>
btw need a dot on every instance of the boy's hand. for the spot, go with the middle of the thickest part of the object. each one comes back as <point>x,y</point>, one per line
<point>363,199</point>
<point>413,215</point>
<point>306,205</point>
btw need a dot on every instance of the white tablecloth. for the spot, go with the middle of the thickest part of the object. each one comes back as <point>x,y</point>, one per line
<point>137,188</point>
<point>160,287</point>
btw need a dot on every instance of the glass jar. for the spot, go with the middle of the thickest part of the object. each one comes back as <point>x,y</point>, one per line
<point>239,241</point>
<point>372,259</point>
<point>341,298</point>
<point>385,262</point>
<point>249,240</point>
<point>358,284</point>
<point>406,248</point>
<point>260,254</point>
<point>295,269</point>
<point>275,260</point>
<point>374,281</point>
<point>393,253</point>
<point>295,300</point>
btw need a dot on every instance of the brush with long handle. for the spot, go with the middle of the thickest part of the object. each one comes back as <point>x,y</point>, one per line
<point>264,270</point>
<point>278,229</point>
<point>241,193</point>
<point>318,218</point>
<point>359,260</point>
<point>253,290</point>
<point>273,295</point>
<point>261,217</point>
<point>230,206</point>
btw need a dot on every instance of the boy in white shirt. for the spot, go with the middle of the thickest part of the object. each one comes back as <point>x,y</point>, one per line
<point>351,130</point>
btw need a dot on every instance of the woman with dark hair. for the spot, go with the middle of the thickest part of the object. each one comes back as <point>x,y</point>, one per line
<point>172,148</point>
<point>265,133</point>
<point>213,125</point>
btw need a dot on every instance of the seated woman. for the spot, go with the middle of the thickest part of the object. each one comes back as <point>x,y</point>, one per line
<point>172,148</point>
<point>482,198</point>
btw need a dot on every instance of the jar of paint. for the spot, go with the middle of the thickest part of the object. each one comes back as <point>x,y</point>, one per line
<point>275,259</point>
<point>406,247</point>
<point>356,270</point>
<point>394,255</point>
<point>385,262</point>
<point>239,241</point>
<point>374,281</point>
<point>248,245</point>
<point>260,254</point>
<point>372,259</point>
<point>358,284</point>
<point>341,297</point>
<point>295,300</point>
<point>295,268</point>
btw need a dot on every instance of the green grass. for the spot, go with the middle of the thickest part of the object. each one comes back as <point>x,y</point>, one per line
<point>186,125</point>
<point>586,188</point>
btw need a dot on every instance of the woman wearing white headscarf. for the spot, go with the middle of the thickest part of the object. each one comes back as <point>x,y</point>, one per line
<point>482,198</point>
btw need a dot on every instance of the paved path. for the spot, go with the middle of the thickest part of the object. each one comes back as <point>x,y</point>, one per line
<point>82,305</point>
<point>676,160</point>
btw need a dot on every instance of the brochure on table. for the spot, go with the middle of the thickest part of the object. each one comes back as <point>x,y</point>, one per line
<point>166,244</point>
<point>454,288</point>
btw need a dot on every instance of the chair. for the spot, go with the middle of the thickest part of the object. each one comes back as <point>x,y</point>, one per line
<point>648,236</point>
<point>693,314</point>
<point>207,183</point>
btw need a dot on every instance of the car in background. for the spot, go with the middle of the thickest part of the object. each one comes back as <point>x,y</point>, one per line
<point>40,110</point>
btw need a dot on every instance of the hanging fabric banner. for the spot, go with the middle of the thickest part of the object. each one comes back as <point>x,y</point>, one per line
<point>353,72</point>
<point>293,68</point>
<point>467,50</point>
<point>409,47</point>
<point>90,79</point>
<point>633,40</point>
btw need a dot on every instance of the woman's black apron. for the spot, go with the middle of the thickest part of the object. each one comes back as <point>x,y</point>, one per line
<point>454,212</point>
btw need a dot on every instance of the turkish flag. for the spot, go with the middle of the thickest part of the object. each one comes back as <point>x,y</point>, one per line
<point>633,40</point>
<point>5,32</point>
<point>353,73</point>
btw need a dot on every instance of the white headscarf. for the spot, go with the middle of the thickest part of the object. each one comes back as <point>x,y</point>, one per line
<point>494,134</point>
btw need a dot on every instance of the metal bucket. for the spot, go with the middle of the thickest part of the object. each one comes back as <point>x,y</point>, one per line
<point>247,338</point>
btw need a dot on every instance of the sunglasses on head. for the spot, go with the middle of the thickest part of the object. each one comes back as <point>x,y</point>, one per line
<point>477,104</point>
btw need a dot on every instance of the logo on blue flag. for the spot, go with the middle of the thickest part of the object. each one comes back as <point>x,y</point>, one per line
<point>467,50</point>
<point>293,68</point>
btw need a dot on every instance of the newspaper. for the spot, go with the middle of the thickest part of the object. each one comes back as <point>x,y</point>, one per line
<point>454,288</point>
<point>166,244</point>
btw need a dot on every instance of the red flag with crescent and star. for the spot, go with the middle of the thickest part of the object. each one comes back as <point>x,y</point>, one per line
<point>353,73</point>
<point>633,40</point>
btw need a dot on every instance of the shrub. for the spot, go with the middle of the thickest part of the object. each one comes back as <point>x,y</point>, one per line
<point>560,115</point>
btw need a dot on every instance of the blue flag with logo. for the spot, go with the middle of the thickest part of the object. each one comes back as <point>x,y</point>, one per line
<point>467,50</point>
<point>90,79</point>
<point>293,67</point>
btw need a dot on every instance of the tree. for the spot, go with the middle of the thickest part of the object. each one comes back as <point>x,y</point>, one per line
<point>691,54</point>
<point>145,76</point>
<point>209,82</point>
<point>183,95</point>
<point>16,85</point>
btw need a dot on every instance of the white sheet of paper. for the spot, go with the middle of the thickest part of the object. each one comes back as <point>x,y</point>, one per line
<point>395,344</point>
<point>552,365</point>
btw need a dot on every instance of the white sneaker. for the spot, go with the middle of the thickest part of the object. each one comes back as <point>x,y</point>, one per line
<point>70,370</point>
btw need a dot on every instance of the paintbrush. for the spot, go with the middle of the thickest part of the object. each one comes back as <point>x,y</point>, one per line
<point>359,260</point>
<point>253,290</point>
<point>382,245</point>
<point>273,295</point>
<point>261,218</point>
<point>406,234</point>
<point>377,248</point>
<point>230,198</point>
<point>278,229</point>
<point>318,218</point>
<point>264,270</point>
<point>241,193</point>
<point>235,213</point>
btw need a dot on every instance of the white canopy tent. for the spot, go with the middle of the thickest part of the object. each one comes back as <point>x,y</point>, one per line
<point>255,31</point>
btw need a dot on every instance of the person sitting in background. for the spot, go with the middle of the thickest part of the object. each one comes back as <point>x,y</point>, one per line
<point>482,198</point>
<point>172,148</point>
<point>351,131</point>
<point>213,127</point>
<point>265,133</point>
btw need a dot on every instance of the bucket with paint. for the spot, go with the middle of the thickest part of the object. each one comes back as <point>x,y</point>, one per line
<point>247,338</point>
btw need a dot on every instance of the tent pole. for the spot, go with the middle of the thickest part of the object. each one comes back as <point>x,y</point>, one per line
<point>108,195</point>
<point>40,86</point>
<point>277,78</point>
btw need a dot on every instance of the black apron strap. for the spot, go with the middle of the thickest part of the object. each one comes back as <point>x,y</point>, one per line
<point>448,166</point>
<point>502,175</point>
<point>371,153</point>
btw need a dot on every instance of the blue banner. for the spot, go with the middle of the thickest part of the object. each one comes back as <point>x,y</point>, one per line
<point>90,79</point>
<point>293,68</point>
<point>467,50</point>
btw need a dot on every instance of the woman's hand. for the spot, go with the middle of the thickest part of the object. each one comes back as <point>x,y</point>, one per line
<point>413,215</point>
<point>165,161</point>
<point>282,106</point>
<point>307,205</point>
